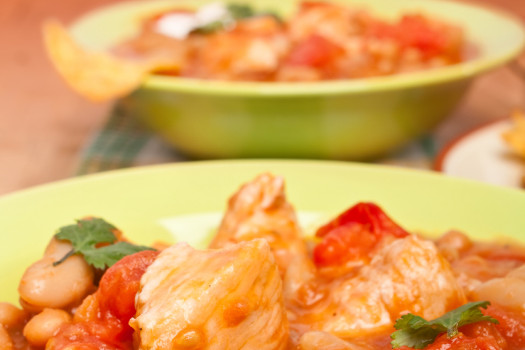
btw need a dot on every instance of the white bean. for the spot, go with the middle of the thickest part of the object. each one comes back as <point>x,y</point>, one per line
<point>5,340</point>
<point>44,285</point>
<point>45,325</point>
<point>11,316</point>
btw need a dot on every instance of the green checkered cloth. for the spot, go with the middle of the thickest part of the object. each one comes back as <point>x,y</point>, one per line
<point>125,142</point>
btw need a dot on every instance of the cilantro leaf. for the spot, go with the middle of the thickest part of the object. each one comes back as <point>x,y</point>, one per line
<point>235,12</point>
<point>85,235</point>
<point>210,27</point>
<point>416,332</point>
<point>463,315</point>
<point>110,254</point>
<point>240,11</point>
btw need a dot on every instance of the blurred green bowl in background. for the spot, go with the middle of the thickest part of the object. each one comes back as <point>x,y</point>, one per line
<point>350,119</point>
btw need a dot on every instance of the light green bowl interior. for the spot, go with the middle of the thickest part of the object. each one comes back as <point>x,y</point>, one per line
<point>139,200</point>
<point>498,36</point>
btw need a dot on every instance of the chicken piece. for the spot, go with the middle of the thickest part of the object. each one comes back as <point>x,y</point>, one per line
<point>299,285</point>
<point>260,210</point>
<point>327,341</point>
<point>252,50</point>
<point>406,275</point>
<point>213,299</point>
<point>508,291</point>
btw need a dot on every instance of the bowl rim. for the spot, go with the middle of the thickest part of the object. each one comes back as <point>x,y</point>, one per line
<point>460,71</point>
<point>336,165</point>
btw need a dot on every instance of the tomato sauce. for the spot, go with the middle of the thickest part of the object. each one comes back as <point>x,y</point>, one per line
<point>101,322</point>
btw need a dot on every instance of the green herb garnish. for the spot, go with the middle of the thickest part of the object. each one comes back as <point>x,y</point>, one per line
<point>236,12</point>
<point>240,11</point>
<point>211,27</point>
<point>416,332</point>
<point>85,235</point>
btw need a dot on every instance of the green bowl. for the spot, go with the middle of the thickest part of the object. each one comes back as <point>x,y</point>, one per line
<point>185,201</point>
<point>351,119</point>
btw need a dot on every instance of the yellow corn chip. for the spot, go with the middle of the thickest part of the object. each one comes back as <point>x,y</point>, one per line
<point>96,75</point>
<point>515,137</point>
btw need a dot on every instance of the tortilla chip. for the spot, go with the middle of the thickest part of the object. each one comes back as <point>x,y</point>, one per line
<point>515,137</point>
<point>96,75</point>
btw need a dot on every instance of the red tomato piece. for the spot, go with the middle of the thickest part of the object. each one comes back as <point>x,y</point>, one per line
<point>121,282</point>
<point>354,234</point>
<point>509,334</point>
<point>511,325</point>
<point>485,329</point>
<point>80,336</point>
<point>119,285</point>
<point>101,322</point>
<point>382,30</point>
<point>315,51</point>
<point>368,214</point>
<point>344,243</point>
<point>413,31</point>
<point>462,342</point>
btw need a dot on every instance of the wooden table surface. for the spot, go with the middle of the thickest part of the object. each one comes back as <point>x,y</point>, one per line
<point>44,126</point>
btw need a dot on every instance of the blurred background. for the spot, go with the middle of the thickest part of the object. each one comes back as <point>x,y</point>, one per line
<point>45,127</point>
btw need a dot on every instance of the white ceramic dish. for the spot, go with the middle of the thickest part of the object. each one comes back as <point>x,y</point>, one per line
<point>482,155</point>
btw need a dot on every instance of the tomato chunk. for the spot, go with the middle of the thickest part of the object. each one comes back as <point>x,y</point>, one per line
<point>508,334</point>
<point>101,322</point>
<point>121,282</point>
<point>417,32</point>
<point>315,51</point>
<point>349,242</point>
<point>79,336</point>
<point>368,214</point>
<point>511,325</point>
<point>462,342</point>
<point>354,234</point>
